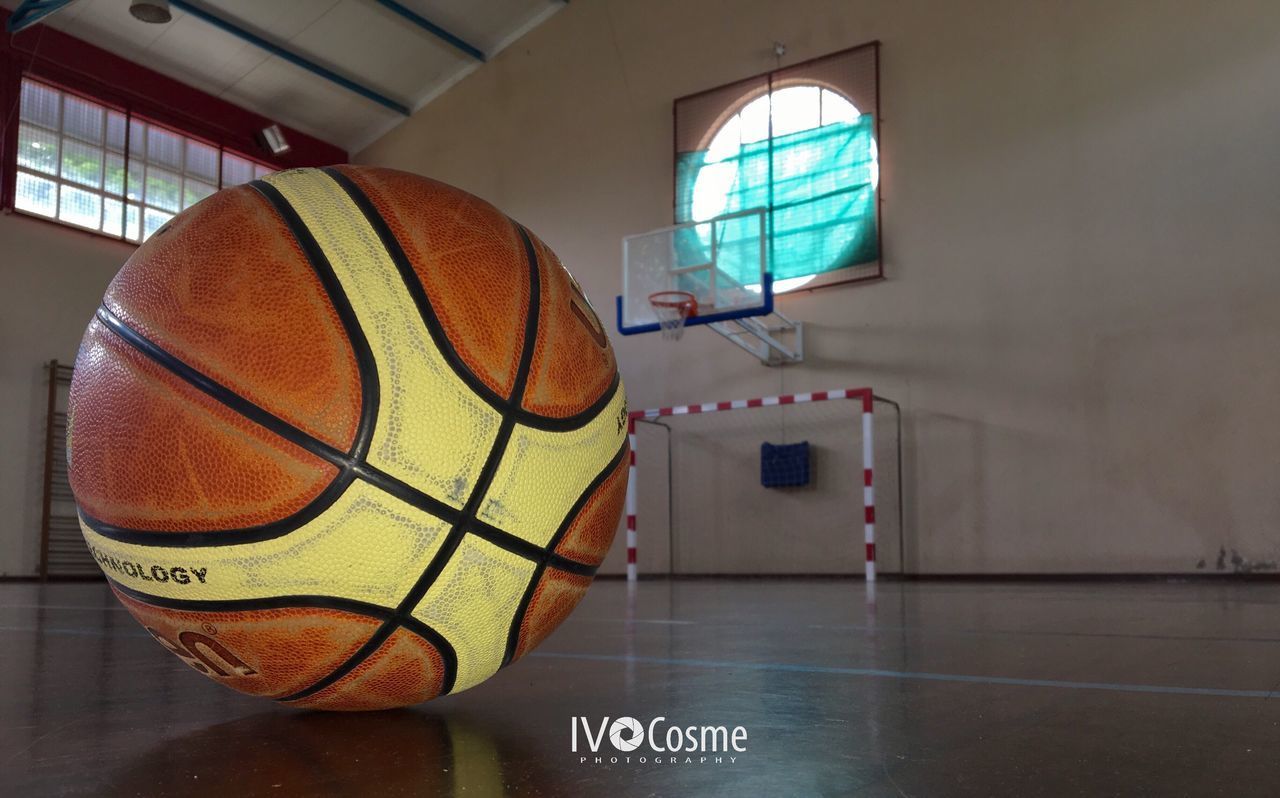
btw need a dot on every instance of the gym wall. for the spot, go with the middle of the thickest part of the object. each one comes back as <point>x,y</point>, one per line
<point>1079,238</point>
<point>53,280</point>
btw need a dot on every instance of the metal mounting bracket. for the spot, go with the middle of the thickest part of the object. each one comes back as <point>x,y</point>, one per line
<point>760,335</point>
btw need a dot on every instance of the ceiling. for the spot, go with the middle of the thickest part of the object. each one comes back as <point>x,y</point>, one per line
<point>360,40</point>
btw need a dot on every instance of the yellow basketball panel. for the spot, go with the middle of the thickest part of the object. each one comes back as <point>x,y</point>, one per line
<point>543,473</point>
<point>472,604</point>
<point>368,546</point>
<point>433,432</point>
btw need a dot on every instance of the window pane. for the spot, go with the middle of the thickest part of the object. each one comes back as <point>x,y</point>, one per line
<point>40,104</point>
<point>194,191</point>
<point>133,226</point>
<point>82,119</point>
<point>235,170</point>
<point>81,207</point>
<point>152,220</point>
<point>113,217</point>
<point>164,189</point>
<point>836,108</point>
<point>755,120</point>
<point>727,143</point>
<point>795,109</point>
<point>137,139</point>
<point>38,149</point>
<point>260,171</point>
<point>116,122</point>
<point>137,176</point>
<point>202,161</point>
<point>82,163</point>
<point>163,147</point>
<point>36,194</point>
<point>113,182</point>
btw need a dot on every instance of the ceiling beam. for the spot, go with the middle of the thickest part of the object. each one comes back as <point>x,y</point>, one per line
<point>29,12</point>
<point>432,28</point>
<point>292,57</point>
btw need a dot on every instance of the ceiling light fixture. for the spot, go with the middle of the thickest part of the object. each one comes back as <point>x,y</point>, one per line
<point>154,11</point>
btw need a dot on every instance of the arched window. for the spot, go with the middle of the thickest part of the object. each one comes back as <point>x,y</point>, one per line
<point>796,144</point>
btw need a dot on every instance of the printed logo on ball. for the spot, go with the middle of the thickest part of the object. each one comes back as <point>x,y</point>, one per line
<point>612,741</point>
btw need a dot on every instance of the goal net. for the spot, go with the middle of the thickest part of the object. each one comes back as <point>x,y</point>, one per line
<point>732,487</point>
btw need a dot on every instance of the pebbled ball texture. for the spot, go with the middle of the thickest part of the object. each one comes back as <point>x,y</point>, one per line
<point>347,438</point>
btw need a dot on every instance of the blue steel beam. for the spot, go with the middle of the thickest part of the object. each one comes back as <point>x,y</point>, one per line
<point>288,55</point>
<point>29,12</point>
<point>432,28</point>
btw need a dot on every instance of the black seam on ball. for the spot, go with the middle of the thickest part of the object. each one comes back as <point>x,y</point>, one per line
<point>369,401</point>
<point>370,390</point>
<point>371,645</point>
<point>559,561</point>
<point>448,657</point>
<point>576,421</point>
<point>417,292</point>
<point>255,413</point>
<point>458,531</point>
<point>379,479</point>
<point>585,496</point>
<point>530,551</point>
<point>517,621</point>
<point>505,405</point>
<point>354,606</point>
<point>248,410</point>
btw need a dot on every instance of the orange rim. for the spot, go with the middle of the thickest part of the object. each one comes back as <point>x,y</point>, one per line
<point>681,300</point>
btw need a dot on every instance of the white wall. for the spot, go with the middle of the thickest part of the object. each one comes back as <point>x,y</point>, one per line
<point>1081,204</point>
<point>53,278</point>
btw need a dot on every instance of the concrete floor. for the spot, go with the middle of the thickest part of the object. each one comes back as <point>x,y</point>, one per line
<point>937,689</point>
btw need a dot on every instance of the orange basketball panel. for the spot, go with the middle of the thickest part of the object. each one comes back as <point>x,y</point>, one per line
<point>470,261</point>
<point>271,653</point>
<point>146,450</point>
<point>226,289</point>
<point>405,669</point>
<point>573,364</point>
<point>553,599</point>
<point>591,532</point>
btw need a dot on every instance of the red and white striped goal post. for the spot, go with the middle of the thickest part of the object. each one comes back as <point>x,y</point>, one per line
<point>868,485</point>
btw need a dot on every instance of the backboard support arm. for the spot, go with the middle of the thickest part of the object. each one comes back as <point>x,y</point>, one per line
<point>756,335</point>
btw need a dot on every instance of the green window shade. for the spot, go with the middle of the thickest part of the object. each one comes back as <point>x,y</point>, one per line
<point>816,186</point>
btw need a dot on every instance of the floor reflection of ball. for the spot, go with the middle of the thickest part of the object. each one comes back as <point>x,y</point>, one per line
<point>405,753</point>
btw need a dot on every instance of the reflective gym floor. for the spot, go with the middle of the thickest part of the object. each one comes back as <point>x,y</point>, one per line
<point>938,688</point>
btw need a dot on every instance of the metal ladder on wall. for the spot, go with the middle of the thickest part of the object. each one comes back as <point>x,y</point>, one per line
<point>63,553</point>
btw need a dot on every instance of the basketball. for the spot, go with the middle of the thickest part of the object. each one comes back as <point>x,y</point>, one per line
<point>347,438</point>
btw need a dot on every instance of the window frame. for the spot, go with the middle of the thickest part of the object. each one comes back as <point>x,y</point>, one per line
<point>135,157</point>
<point>775,79</point>
<point>74,66</point>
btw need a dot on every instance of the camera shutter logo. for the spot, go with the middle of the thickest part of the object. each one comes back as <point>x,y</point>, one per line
<point>626,734</point>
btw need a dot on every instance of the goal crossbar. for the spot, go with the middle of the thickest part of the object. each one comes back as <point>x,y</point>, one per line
<point>864,395</point>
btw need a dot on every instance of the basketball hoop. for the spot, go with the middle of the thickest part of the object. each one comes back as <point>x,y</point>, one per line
<point>673,308</point>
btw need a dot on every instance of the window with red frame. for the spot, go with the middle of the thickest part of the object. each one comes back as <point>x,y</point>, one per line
<point>100,168</point>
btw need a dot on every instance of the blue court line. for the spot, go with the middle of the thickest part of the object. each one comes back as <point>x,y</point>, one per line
<point>937,632</point>
<point>933,631</point>
<point>879,673</point>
